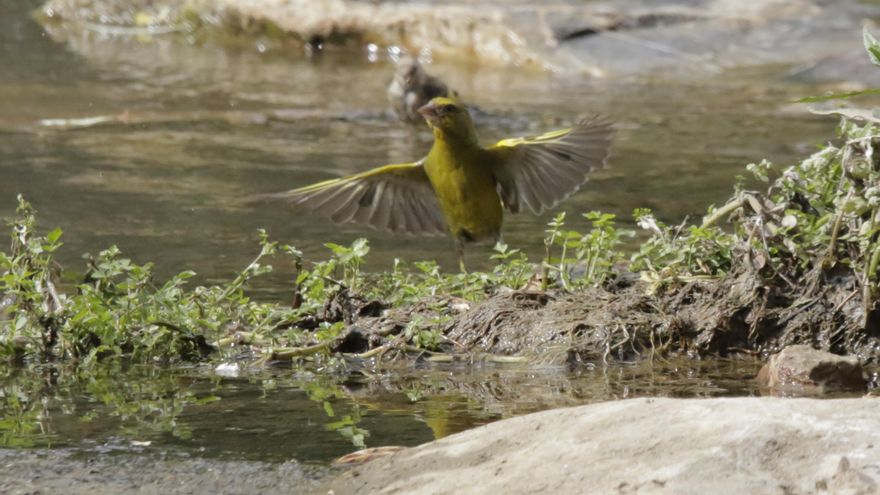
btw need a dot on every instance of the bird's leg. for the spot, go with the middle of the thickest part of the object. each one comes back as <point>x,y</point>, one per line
<point>459,248</point>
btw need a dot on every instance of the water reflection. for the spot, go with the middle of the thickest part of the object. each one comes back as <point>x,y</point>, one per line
<point>278,414</point>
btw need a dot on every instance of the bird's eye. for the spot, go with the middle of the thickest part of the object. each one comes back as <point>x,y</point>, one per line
<point>449,108</point>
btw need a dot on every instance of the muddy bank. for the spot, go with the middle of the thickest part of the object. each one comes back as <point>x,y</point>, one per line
<point>601,324</point>
<point>724,446</point>
<point>794,264</point>
<point>93,473</point>
<point>595,38</point>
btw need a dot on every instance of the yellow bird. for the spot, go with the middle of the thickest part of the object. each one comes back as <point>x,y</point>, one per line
<point>461,187</point>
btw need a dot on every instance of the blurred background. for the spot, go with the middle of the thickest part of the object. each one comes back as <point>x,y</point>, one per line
<point>151,124</point>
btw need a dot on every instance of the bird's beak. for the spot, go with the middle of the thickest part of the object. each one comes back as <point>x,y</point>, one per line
<point>430,112</point>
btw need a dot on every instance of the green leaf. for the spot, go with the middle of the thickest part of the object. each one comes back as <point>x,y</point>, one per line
<point>20,322</point>
<point>357,440</point>
<point>53,236</point>
<point>866,114</point>
<point>838,96</point>
<point>360,247</point>
<point>336,248</point>
<point>871,46</point>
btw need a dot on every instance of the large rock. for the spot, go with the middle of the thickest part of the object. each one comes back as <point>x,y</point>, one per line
<point>565,36</point>
<point>803,366</point>
<point>648,446</point>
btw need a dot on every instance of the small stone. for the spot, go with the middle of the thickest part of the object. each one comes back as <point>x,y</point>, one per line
<point>229,370</point>
<point>801,365</point>
<point>459,305</point>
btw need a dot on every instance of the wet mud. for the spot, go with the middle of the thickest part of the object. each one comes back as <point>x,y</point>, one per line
<point>740,314</point>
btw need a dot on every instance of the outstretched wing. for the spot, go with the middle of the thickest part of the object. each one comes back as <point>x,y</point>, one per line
<point>539,172</point>
<point>396,198</point>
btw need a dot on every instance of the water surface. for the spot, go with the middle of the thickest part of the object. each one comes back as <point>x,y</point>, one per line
<point>278,415</point>
<point>173,190</point>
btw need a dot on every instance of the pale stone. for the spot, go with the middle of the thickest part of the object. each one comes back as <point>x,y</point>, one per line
<point>801,365</point>
<point>743,446</point>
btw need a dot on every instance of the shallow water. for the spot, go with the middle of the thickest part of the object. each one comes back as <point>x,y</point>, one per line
<point>171,186</point>
<point>174,190</point>
<point>279,415</point>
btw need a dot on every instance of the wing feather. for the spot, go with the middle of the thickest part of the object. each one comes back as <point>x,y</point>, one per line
<point>539,172</point>
<point>396,198</point>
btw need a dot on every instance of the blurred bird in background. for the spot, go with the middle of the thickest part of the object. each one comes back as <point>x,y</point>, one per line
<point>412,88</point>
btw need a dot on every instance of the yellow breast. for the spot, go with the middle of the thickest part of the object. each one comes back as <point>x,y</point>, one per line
<point>465,188</point>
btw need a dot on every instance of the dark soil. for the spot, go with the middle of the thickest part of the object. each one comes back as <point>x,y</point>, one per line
<point>741,313</point>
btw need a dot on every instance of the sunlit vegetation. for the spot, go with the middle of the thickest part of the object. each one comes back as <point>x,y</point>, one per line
<point>809,242</point>
<point>818,217</point>
<point>116,309</point>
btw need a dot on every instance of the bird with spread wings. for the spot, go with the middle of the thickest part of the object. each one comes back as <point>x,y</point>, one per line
<point>461,187</point>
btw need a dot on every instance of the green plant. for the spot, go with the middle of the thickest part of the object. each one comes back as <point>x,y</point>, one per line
<point>584,259</point>
<point>33,307</point>
<point>682,252</point>
<point>118,309</point>
<point>553,232</point>
<point>426,333</point>
<point>512,267</point>
<point>350,258</point>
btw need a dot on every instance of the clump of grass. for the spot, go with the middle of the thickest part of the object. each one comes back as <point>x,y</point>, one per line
<point>802,256</point>
<point>118,309</point>
<point>583,259</point>
<point>681,253</point>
